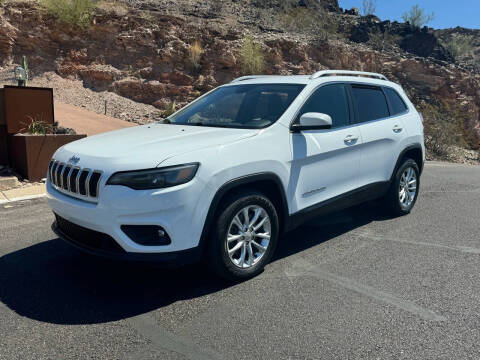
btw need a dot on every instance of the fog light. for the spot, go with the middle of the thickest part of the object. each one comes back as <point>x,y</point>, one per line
<point>147,235</point>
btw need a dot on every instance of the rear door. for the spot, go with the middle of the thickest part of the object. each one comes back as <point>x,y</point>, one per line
<point>379,114</point>
<point>325,162</point>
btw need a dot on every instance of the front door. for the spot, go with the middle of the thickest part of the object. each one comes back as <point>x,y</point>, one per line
<point>325,162</point>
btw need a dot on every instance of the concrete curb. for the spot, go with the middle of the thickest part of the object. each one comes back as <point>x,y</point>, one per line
<point>23,193</point>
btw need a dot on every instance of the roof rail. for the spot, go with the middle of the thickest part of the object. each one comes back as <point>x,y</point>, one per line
<point>249,77</point>
<point>323,73</point>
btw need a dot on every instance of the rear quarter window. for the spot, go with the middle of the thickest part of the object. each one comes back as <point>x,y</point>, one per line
<point>397,105</point>
<point>371,103</point>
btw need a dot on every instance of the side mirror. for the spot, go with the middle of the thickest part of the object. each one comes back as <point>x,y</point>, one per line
<point>313,121</point>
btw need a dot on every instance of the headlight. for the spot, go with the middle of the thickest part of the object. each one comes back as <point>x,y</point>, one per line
<point>155,178</point>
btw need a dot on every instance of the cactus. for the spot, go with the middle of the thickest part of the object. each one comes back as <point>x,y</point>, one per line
<point>25,67</point>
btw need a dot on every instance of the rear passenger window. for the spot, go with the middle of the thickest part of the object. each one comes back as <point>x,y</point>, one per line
<point>371,103</point>
<point>397,105</point>
<point>331,100</point>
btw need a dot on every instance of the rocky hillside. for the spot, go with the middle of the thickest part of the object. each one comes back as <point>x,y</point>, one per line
<point>141,50</point>
<point>464,44</point>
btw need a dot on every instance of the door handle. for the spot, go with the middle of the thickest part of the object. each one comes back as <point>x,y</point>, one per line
<point>397,128</point>
<point>350,139</point>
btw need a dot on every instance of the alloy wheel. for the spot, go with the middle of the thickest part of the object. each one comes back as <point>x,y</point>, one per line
<point>407,187</point>
<point>248,236</point>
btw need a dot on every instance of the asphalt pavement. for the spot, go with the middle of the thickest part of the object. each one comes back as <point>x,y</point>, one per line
<point>353,285</point>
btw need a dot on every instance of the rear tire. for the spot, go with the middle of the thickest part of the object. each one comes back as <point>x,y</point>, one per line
<point>403,192</point>
<point>244,236</point>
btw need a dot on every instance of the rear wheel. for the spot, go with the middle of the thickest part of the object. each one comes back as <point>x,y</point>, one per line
<point>245,236</point>
<point>403,191</point>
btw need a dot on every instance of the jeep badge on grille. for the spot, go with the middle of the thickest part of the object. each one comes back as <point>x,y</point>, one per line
<point>74,160</point>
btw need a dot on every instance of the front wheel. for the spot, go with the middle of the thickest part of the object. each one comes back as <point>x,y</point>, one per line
<point>403,191</point>
<point>245,236</point>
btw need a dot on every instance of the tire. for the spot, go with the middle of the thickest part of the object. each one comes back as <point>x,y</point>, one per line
<point>401,205</point>
<point>228,224</point>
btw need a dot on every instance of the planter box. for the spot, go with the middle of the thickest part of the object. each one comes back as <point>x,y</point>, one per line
<point>21,103</point>
<point>3,132</point>
<point>3,145</point>
<point>31,154</point>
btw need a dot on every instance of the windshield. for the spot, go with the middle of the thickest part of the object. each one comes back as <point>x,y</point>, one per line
<point>240,106</point>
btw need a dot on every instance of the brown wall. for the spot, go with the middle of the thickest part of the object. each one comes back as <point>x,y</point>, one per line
<point>22,102</point>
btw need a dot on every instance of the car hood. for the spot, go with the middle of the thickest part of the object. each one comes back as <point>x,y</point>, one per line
<point>146,146</point>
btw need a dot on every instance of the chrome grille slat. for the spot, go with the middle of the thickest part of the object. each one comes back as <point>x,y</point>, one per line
<point>82,182</point>
<point>52,171</point>
<point>78,180</point>
<point>74,180</point>
<point>68,179</point>
<point>87,182</point>
<point>58,174</point>
<point>96,181</point>
<point>65,173</point>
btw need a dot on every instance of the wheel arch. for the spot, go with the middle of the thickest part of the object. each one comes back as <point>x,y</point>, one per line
<point>414,152</point>
<point>268,183</point>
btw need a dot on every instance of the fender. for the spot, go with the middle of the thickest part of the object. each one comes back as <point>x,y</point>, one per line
<point>238,182</point>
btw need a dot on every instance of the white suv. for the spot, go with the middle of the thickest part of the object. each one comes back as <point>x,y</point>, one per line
<point>225,176</point>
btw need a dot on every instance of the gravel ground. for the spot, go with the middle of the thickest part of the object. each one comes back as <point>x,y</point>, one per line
<point>74,93</point>
<point>352,285</point>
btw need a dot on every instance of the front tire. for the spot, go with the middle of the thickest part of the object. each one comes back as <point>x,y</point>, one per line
<point>403,191</point>
<point>244,236</point>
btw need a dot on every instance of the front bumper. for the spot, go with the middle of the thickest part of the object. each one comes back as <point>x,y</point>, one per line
<point>111,252</point>
<point>180,211</point>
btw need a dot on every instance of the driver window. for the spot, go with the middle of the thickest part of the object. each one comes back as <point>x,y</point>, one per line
<point>331,100</point>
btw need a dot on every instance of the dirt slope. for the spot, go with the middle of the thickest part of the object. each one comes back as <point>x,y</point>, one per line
<point>86,122</point>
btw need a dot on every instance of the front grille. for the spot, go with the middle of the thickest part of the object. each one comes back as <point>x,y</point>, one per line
<point>75,181</point>
<point>87,238</point>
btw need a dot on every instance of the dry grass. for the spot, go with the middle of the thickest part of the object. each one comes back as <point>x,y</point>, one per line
<point>117,8</point>
<point>195,52</point>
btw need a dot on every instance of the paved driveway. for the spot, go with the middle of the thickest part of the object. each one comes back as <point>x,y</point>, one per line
<point>353,285</point>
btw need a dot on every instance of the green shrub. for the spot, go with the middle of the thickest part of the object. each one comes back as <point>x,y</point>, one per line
<point>417,16</point>
<point>170,108</point>
<point>315,21</point>
<point>369,7</point>
<point>36,125</point>
<point>460,46</point>
<point>77,13</point>
<point>442,128</point>
<point>252,57</point>
<point>383,40</point>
